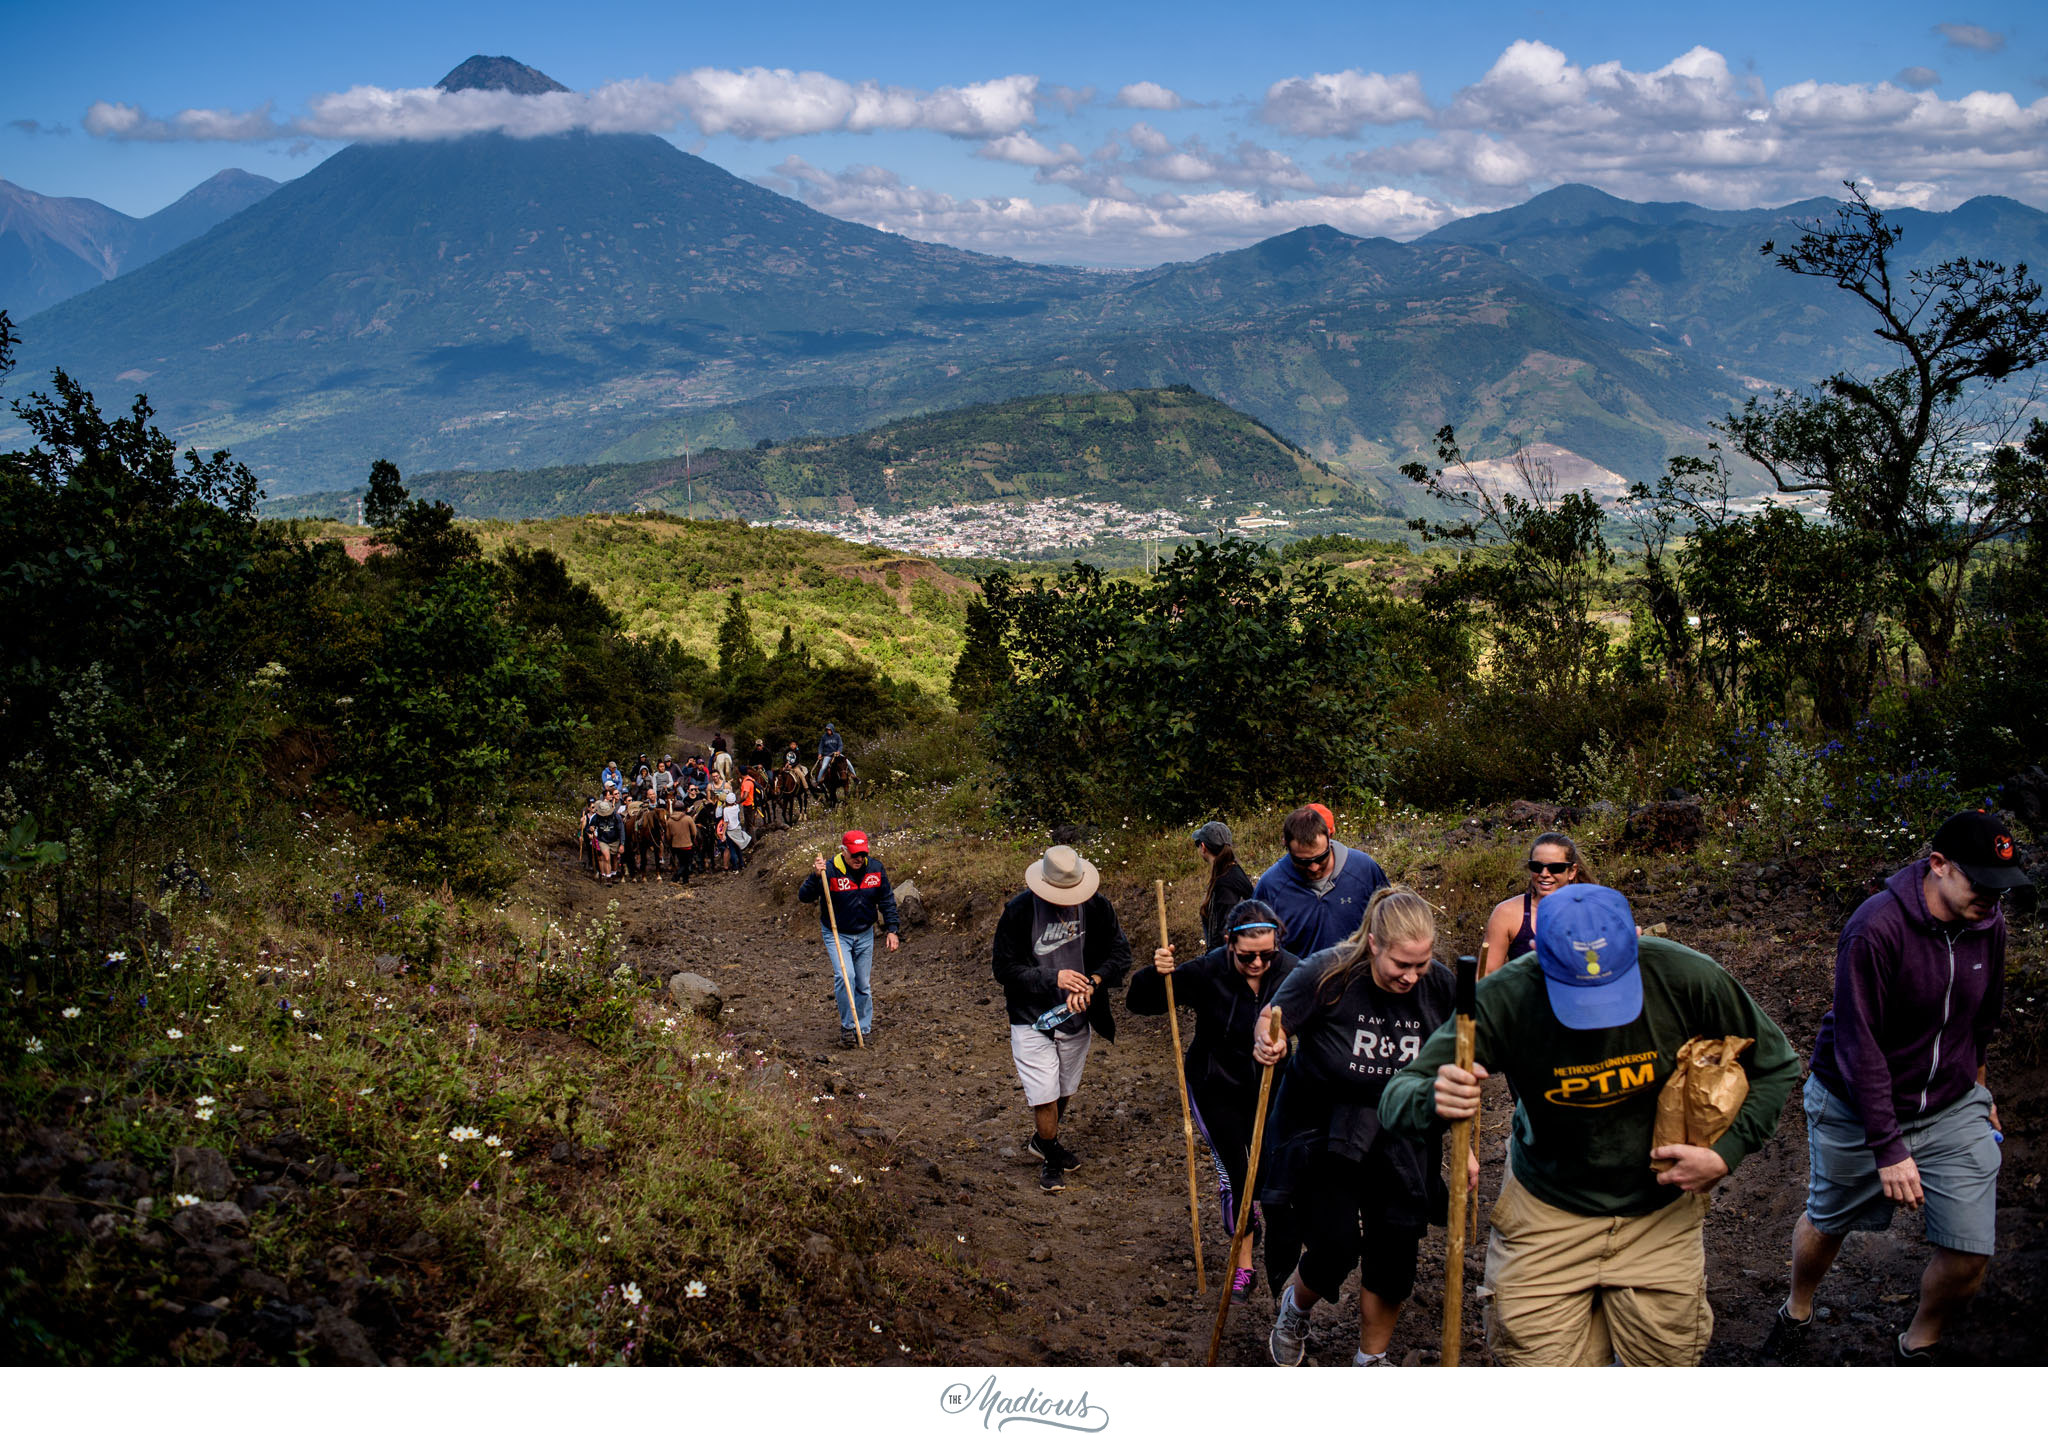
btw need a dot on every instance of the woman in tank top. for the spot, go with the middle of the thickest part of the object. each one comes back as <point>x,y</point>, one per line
<point>1511,930</point>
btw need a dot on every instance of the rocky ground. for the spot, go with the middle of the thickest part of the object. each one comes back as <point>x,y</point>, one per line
<point>1102,1273</point>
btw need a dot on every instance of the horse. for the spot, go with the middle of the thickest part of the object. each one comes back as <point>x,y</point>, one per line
<point>643,835</point>
<point>837,780</point>
<point>790,789</point>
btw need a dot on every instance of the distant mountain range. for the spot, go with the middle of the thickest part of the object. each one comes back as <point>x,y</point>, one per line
<point>52,248</point>
<point>490,303</point>
<point>1146,449</point>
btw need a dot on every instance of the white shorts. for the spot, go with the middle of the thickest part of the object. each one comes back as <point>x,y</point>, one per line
<point>1049,1063</point>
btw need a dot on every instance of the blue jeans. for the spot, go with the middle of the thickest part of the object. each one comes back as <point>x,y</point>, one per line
<point>859,948</point>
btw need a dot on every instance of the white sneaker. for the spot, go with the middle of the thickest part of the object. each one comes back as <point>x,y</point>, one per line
<point>1363,1357</point>
<point>1290,1331</point>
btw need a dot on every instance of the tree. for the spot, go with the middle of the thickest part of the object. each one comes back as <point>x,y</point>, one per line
<point>1227,679</point>
<point>1536,559</point>
<point>1912,456</point>
<point>983,670</point>
<point>387,495</point>
<point>738,651</point>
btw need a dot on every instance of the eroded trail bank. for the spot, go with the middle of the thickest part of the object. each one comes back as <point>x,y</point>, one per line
<point>1102,1273</point>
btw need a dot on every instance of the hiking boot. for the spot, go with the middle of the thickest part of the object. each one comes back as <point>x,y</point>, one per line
<point>848,1037</point>
<point>1788,1336</point>
<point>1290,1331</point>
<point>1918,1355</point>
<point>1051,1178</point>
<point>1052,1151</point>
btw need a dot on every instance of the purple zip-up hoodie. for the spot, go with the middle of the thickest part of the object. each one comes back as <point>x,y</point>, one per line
<point>1916,1001</point>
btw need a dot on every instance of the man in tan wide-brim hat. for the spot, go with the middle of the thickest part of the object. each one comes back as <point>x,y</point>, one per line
<point>1057,945</point>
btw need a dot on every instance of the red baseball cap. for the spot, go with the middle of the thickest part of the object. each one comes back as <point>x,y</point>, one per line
<point>855,842</point>
<point>1324,813</point>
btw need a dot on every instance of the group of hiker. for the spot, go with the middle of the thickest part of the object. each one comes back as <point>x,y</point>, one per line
<point>1596,1248</point>
<point>696,815</point>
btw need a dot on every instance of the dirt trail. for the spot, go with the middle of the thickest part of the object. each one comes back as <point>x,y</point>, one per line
<point>1102,1272</point>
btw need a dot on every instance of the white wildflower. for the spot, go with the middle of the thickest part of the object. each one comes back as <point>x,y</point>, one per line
<point>694,1290</point>
<point>71,1013</point>
<point>174,1034</point>
<point>184,1200</point>
<point>631,1292</point>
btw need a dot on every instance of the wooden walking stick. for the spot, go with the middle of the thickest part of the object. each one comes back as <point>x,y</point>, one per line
<point>1244,1197</point>
<point>1187,1119</point>
<point>1461,1153</point>
<point>845,975</point>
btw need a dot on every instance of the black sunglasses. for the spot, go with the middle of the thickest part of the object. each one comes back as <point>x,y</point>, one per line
<point>1555,869</point>
<point>1245,959</point>
<point>1310,864</point>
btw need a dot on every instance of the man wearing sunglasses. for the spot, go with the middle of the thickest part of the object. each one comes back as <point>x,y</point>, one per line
<point>1321,887</point>
<point>1226,988</point>
<point>1897,1109</point>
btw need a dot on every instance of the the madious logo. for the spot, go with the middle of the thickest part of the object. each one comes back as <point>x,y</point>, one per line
<point>1030,1406</point>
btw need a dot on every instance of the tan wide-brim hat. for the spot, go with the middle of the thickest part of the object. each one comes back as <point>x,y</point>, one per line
<point>1063,877</point>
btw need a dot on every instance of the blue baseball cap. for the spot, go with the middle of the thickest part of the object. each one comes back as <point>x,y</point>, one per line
<point>1586,945</point>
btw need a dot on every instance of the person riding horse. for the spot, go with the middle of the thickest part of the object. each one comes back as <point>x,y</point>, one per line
<point>831,745</point>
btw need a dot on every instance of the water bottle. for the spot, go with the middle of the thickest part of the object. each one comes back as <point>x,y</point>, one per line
<point>1053,1018</point>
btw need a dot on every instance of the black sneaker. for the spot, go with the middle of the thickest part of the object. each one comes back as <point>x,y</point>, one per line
<point>1052,1151</point>
<point>1917,1355</point>
<point>1787,1336</point>
<point>1050,1177</point>
<point>848,1037</point>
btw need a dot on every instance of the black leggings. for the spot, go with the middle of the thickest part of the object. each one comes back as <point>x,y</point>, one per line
<point>1335,1221</point>
<point>1226,1124</point>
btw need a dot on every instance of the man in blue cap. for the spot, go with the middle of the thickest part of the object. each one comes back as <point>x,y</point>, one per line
<point>1593,1253</point>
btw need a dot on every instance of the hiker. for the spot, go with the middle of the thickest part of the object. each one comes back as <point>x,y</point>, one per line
<point>1057,947</point>
<point>611,776</point>
<point>1511,929</point>
<point>1898,1107</point>
<point>1593,1254</point>
<point>680,829</point>
<point>1320,887</point>
<point>746,800</point>
<point>608,829</point>
<point>1226,988</point>
<point>859,891</point>
<point>1344,1192</point>
<point>664,776</point>
<point>703,812</point>
<point>1228,884</point>
<point>732,825</point>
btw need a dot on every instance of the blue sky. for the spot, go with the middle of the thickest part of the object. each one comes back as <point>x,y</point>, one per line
<point>1107,132</point>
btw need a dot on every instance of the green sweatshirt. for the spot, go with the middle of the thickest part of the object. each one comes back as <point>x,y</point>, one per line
<point>1589,1098</point>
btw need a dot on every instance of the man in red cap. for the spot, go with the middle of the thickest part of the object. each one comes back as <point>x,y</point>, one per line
<point>858,891</point>
<point>1897,1108</point>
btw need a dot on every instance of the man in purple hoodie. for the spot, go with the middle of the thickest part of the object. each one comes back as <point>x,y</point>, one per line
<point>1897,1111</point>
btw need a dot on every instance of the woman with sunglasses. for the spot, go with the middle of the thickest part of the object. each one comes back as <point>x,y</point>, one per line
<point>1225,988</point>
<point>1511,930</point>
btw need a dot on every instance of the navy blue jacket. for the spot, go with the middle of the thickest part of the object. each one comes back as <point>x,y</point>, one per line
<point>856,896</point>
<point>1318,921</point>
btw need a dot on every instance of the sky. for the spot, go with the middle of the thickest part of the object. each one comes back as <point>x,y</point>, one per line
<point>1102,133</point>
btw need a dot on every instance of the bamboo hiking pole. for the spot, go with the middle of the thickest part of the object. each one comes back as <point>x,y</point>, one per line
<point>1461,1152</point>
<point>839,950</point>
<point>1187,1119</point>
<point>1244,1197</point>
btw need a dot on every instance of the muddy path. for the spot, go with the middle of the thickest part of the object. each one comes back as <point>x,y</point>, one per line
<point>1102,1273</point>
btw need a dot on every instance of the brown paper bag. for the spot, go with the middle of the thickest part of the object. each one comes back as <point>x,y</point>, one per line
<point>1700,1101</point>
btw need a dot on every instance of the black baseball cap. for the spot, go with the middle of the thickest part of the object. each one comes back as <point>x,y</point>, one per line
<point>1982,846</point>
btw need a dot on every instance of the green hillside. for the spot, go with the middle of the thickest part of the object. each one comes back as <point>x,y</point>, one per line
<point>1145,448</point>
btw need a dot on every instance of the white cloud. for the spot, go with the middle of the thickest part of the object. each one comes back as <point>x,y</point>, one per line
<point>1971,37</point>
<point>1917,77</point>
<point>1343,103</point>
<point>1147,96</point>
<point>754,103</point>
<point>1128,228</point>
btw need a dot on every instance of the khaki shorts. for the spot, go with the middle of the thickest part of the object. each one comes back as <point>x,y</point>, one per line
<point>1582,1290</point>
<point>1049,1064</point>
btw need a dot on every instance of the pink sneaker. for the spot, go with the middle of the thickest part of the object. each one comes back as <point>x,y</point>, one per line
<point>1241,1283</point>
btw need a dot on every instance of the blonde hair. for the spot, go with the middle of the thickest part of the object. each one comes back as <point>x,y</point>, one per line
<point>1395,916</point>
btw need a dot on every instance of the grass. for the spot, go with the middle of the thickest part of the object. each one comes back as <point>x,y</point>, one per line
<point>519,1152</point>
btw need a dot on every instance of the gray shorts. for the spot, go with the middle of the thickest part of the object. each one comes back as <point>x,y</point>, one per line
<point>1957,1158</point>
<point>1049,1063</point>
